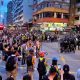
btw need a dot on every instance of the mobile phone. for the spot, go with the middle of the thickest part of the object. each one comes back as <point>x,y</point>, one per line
<point>59,66</point>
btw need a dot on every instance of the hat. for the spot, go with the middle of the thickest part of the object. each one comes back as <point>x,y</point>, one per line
<point>55,59</point>
<point>66,68</point>
<point>78,74</point>
<point>41,54</point>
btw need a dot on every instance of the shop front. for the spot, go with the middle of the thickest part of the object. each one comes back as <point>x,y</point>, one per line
<point>47,26</point>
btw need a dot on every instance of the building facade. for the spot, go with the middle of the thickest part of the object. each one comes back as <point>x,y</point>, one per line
<point>51,14</point>
<point>5,19</point>
<point>9,13</point>
<point>77,14</point>
<point>22,12</point>
<point>72,11</point>
<point>1,12</point>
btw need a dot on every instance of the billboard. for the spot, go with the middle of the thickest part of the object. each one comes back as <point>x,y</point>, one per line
<point>53,26</point>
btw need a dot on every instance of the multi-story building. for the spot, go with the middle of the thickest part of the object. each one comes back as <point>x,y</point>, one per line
<point>51,14</point>
<point>22,12</point>
<point>5,19</point>
<point>72,12</point>
<point>1,12</point>
<point>9,13</point>
<point>77,14</point>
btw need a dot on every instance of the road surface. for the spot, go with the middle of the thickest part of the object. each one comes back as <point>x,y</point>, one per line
<point>73,59</point>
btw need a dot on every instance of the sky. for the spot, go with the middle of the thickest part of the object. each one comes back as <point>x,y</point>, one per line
<point>4,7</point>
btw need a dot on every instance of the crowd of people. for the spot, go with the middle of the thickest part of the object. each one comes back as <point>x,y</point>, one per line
<point>26,48</point>
<point>69,43</point>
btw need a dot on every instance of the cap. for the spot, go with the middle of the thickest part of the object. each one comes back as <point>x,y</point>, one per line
<point>55,59</point>
<point>78,74</point>
<point>66,68</point>
<point>41,54</point>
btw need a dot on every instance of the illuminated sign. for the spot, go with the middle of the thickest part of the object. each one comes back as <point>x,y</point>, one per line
<point>1,27</point>
<point>53,26</point>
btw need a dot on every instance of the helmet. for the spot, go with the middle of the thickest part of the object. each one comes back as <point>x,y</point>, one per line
<point>41,54</point>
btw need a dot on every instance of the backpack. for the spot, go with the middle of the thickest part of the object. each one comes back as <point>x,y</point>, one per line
<point>41,67</point>
<point>29,60</point>
<point>10,65</point>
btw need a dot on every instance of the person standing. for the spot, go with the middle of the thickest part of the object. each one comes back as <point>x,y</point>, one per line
<point>23,52</point>
<point>41,66</point>
<point>30,60</point>
<point>52,75</point>
<point>11,66</point>
<point>67,75</point>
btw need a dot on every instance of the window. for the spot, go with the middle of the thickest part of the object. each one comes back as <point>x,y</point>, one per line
<point>58,0</point>
<point>65,16</point>
<point>47,5</point>
<point>65,6</point>
<point>78,1</point>
<point>57,4</point>
<point>78,9</point>
<point>58,15</point>
<point>68,1</point>
<point>48,14</point>
<point>77,18</point>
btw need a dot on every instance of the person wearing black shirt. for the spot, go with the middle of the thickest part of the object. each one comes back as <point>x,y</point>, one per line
<point>52,74</point>
<point>67,75</point>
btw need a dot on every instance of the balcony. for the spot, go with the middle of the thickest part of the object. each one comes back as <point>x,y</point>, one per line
<point>51,9</point>
<point>58,20</point>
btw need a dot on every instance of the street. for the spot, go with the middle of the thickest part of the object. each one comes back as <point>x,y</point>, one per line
<point>52,49</point>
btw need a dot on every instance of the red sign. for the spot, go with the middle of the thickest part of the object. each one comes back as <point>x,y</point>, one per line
<point>1,27</point>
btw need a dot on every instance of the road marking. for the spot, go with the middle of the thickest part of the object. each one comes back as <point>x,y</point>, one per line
<point>74,60</point>
<point>63,59</point>
<point>72,72</point>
